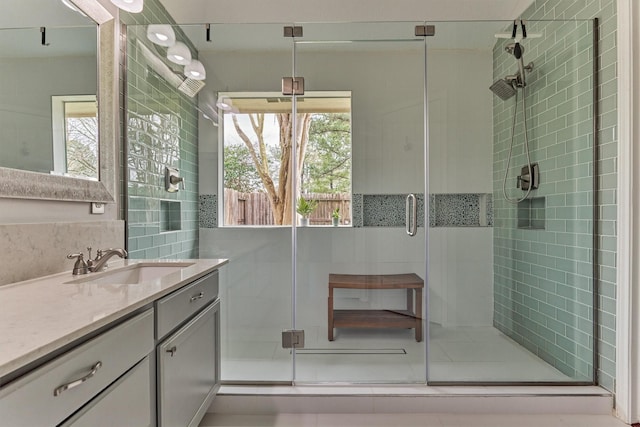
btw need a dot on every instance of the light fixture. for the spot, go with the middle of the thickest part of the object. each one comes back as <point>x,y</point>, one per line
<point>73,7</point>
<point>224,103</point>
<point>195,70</point>
<point>179,53</point>
<point>162,35</point>
<point>132,6</point>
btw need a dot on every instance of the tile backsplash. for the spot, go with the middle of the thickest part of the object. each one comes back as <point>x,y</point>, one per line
<point>40,249</point>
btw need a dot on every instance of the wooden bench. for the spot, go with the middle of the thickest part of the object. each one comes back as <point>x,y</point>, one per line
<point>409,318</point>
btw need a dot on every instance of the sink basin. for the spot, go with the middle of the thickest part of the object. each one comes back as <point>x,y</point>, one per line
<point>133,274</point>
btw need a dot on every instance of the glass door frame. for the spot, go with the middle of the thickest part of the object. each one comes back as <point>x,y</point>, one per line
<point>295,236</point>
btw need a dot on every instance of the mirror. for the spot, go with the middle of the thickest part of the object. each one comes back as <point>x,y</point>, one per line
<point>48,87</point>
<point>55,145</point>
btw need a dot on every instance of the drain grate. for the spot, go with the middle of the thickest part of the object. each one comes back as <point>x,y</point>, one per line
<point>351,351</point>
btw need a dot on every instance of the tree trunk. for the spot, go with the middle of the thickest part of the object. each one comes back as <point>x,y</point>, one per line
<point>281,198</point>
<point>285,193</point>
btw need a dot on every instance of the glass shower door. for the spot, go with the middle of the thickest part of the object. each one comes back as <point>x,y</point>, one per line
<point>255,287</point>
<point>360,263</point>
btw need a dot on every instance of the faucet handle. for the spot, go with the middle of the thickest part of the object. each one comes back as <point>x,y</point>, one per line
<point>80,266</point>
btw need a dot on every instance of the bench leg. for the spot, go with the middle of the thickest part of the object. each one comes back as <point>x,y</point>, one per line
<point>418,312</point>
<point>330,314</point>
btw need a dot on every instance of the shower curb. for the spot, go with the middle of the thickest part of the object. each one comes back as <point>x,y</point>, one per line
<point>254,400</point>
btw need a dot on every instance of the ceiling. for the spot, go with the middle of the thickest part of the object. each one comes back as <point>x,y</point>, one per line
<point>39,13</point>
<point>278,11</point>
<point>351,20</point>
<point>68,33</point>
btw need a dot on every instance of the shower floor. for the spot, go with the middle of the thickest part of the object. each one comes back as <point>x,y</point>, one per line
<point>473,354</point>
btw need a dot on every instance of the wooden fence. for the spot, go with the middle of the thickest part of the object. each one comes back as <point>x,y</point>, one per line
<point>255,208</point>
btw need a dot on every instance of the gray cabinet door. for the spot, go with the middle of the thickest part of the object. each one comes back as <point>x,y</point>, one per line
<point>126,403</point>
<point>188,370</point>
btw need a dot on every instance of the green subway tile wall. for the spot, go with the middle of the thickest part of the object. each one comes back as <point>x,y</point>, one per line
<point>161,131</point>
<point>543,278</point>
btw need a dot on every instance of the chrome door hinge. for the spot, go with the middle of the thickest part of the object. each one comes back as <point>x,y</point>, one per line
<point>293,338</point>
<point>292,31</point>
<point>293,85</point>
<point>425,30</point>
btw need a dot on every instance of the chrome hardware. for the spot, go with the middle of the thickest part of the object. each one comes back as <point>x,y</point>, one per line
<point>197,297</point>
<point>172,180</point>
<point>412,215</point>
<point>173,350</point>
<point>292,31</point>
<point>293,338</point>
<point>525,179</point>
<point>102,256</point>
<point>75,383</point>
<point>293,85</point>
<point>80,266</point>
<point>425,30</point>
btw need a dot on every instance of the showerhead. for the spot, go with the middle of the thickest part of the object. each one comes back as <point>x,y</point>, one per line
<point>503,88</point>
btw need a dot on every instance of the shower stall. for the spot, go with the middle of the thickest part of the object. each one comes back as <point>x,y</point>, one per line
<point>461,164</point>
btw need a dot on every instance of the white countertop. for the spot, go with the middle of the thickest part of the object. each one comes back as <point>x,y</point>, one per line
<point>42,315</point>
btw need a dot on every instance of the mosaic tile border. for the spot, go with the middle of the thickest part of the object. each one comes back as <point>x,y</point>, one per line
<point>461,210</point>
<point>208,209</point>
<point>356,210</point>
<point>445,210</point>
<point>388,210</point>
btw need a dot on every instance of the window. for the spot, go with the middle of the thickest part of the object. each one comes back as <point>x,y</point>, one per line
<point>75,135</point>
<point>256,135</point>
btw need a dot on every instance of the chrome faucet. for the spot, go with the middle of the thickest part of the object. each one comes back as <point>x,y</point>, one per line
<point>102,256</point>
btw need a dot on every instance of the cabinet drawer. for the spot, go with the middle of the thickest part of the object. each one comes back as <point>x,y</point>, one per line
<point>126,403</point>
<point>179,306</point>
<point>189,370</point>
<point>39,398</point>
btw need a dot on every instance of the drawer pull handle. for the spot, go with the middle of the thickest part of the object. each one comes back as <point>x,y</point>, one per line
<point>197,297</point>
<point>58,391</point>
<point>173,350</point>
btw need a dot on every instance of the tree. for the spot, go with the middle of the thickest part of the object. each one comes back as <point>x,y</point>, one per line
<point>82,146</point>
<point>239,171</point>
<point>328,165</point>
<point>278,187</point>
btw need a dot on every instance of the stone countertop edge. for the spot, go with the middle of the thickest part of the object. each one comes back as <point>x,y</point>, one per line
<point>42,315</point>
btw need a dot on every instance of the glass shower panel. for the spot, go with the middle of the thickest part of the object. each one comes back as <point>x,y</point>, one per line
<point>360,282</point>
<point>238,136</point>
<point>511,281</point>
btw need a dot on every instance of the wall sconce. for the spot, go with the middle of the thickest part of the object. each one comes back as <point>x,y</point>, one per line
<point>73,7</point>
<point>195,70</point>
<point>179,53</point>
<point>162,35</point>
<point>131,6</point>
<point>224,103</point>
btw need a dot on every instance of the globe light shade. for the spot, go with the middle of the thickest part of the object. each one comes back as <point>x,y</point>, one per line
<point>195,70</point>
<point>224,103</point>
<point>131,6</point>
<point>162,35</point>
<point>179,53</point>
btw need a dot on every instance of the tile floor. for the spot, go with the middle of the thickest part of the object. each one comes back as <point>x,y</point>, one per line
<point>475,354</point>
<point>409,420</point>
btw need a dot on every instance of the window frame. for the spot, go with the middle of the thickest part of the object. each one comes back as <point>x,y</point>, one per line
<point>59,131</point>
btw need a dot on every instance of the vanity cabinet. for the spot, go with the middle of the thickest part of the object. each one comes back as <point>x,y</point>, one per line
<point>127,402</point>
<point>51,393</point>
<point>156,365</point>
<point>188,359</point>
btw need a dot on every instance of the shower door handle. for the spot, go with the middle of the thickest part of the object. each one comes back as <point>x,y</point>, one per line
<point>412,215</point>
